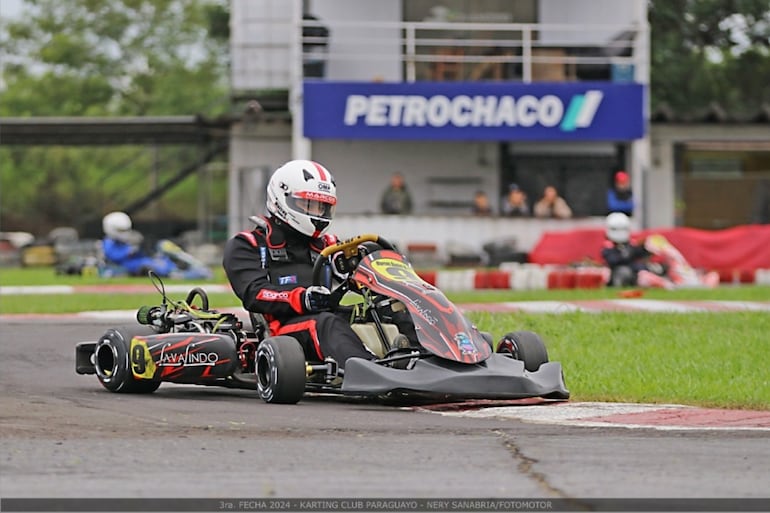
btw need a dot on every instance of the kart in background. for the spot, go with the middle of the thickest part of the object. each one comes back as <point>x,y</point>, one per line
<point>440,355</point>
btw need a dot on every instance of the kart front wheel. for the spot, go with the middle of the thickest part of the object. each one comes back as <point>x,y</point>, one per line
<point>113,365</point>
<point>280,370</point>
<point>526,346</point>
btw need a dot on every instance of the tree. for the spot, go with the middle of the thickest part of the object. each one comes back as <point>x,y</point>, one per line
<point>103,58</point>
<point>710,51</point>
<point>130,57</point>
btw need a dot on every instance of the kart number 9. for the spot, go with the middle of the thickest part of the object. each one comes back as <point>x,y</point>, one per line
<point>142,364</point>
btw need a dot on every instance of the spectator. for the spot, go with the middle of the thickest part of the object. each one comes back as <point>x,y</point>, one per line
<point>396,199</point>
<point>619,196</point>
<point>481,205</point>
<point>551,205</point>
<point>515,203</point>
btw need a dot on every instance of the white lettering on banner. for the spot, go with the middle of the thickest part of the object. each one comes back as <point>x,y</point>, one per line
<point>462,110</point>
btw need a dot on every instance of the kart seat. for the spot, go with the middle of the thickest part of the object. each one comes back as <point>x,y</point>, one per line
<point>367,332</point>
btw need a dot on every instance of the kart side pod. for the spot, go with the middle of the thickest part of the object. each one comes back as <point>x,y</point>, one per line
<point>123,357</point>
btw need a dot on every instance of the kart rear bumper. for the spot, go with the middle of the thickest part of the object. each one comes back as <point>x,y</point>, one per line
<point>498,377</point>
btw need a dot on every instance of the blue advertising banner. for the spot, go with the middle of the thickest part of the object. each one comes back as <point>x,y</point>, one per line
<point>480,111</point>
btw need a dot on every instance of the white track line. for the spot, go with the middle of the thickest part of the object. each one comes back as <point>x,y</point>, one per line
<point>583,415</point>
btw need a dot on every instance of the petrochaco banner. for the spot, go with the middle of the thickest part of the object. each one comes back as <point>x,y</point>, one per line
<point>474,111</point>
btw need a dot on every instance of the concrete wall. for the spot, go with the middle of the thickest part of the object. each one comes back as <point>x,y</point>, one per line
<point>256,149</point>
<point>382,45</point>
<point>660,187</point>
<point>362,170</point>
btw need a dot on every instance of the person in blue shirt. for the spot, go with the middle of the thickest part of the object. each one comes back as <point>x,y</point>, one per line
<point>620,198</point>
<point>121,248</point>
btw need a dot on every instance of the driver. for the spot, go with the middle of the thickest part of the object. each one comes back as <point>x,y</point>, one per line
<point>122,246</point>
<point>628,259</point>
<point>270,268</point>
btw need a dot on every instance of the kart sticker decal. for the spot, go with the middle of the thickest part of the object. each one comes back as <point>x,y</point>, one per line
<point>142,364</point>
<point>177,358</point>
<point>464,343</point>
<point>395,270</point>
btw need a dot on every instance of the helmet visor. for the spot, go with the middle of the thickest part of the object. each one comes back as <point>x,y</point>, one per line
<point>313,204</point>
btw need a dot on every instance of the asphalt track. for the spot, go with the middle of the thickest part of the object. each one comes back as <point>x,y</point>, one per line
<point>63,436</point>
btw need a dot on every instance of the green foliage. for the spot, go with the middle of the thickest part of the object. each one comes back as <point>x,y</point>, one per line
<point>105,58</point>
<point>710,51</point>
<point>147,54</point>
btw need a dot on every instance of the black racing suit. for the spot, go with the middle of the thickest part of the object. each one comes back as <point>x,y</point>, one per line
<point>269,269</point>
<point>625,260</point>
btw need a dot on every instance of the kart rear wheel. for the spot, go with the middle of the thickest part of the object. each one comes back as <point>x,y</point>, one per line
<point>111,359</point>
<point>280,370</point>
<point>526,346</point>
<point>487,336</point>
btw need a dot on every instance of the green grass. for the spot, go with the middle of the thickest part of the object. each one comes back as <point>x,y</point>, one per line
<point>704,359</point>
<point>47,276</point>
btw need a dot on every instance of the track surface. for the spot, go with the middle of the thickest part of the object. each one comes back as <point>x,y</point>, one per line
<point>62,435</point>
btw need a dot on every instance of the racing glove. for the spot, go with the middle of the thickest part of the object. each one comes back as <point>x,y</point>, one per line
<point>316,299</point>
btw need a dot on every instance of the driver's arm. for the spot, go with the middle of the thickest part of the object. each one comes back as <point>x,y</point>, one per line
<point>249,280</point>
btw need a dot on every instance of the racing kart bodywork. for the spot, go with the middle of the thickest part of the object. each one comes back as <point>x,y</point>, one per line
<point>423,346</point>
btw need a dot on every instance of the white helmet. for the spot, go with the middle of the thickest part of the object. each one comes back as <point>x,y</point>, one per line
<point>618,227</point>
<point>302,194</point>
<point>117,225</point>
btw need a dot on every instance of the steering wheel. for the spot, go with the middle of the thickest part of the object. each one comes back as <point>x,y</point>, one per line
<point>345,257</point>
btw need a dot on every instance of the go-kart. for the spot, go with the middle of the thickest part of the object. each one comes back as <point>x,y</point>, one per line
<point>443,356</point>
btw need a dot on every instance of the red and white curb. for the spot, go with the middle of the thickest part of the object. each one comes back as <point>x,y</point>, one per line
<point>507,277</point>
<point>666,417</point>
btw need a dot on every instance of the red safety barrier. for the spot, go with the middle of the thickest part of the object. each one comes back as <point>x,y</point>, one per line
<point>736,275</point>
<point>589,279</point>
<point>742,247</point>
<point>499,280</point>
<point>562,279</point>
<point>429,276</point>
<point>481,280</point>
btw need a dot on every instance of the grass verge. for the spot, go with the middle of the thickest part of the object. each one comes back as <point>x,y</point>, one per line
<point>704,359</point>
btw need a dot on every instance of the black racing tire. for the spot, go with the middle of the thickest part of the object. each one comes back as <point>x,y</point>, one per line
<point>489,339</point>
<point>111,360</point>
<point>526,346</point>
<point>281,370</point>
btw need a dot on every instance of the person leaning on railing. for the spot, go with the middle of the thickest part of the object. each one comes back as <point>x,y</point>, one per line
<point>551,205</point>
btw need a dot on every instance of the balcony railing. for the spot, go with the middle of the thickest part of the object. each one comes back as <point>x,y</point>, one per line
<point>477,51</point>
<point>416,51</point>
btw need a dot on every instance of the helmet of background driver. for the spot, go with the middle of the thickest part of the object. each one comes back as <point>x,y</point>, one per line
<point>618,227</point>
<point>302,194</point>
<point>117,225</point>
